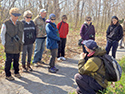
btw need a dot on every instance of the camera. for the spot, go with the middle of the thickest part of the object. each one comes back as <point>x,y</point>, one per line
<point>16,38</point>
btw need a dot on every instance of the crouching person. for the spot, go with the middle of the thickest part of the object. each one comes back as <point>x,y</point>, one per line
<point>88,80</point>
<point>11,37</point>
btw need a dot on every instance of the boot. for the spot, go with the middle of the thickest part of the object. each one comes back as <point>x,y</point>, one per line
<point>28,67</point>
<point>24,68</point>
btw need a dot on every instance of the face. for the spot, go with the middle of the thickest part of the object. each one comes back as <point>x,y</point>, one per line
<point>64,20</point>
<point>88,21</point>
<point>53,20</point>
<point>43,14</point>
<point>88,50</point>
<point>14,18</point>
<point>28,18</point>
<point>114,21</point>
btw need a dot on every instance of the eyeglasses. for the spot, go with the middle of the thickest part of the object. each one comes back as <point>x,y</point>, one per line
<point>53,19</point>
<point>28,17</point>
<point>88,20</point>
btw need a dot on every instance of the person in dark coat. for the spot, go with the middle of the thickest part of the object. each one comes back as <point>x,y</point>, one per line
<point>87,32</point>
<point>114,34</point>
<point>29,38</point>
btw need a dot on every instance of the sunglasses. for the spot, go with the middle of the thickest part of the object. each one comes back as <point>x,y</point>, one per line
<point>53,19</point>
<point>29,17</point>
<point>88,20</point>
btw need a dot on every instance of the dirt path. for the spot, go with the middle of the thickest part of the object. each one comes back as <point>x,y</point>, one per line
<point>40,81</point>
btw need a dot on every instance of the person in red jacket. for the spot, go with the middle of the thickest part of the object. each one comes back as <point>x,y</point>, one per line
<point>63,28</point>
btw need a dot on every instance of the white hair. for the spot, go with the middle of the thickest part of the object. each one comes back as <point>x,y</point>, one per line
<point>28,12</point>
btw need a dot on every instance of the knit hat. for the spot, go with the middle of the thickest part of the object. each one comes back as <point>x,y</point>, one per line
<point>52,16</point>
<point>91,44</point>
<point>115,17</point>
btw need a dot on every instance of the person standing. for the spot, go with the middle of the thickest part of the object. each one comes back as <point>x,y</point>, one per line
<point>12,39</point>
<point>63,28</point>
<point>123,39</point>
<point>113,34</point>
<point>40,37</point>
<point>87,32</point>
<point>51,42</point>
<point>29,38</point>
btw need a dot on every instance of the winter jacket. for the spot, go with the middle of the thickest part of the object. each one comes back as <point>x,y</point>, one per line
<point>92,65</point>
<point>91,33</point>
<point>114,32</point>
<point>52,36</point>
<point>40,27</point>
<point>63,29</point>
<point>29,32</point>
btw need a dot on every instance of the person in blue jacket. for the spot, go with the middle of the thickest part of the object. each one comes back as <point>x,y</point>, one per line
<point>51,42</point>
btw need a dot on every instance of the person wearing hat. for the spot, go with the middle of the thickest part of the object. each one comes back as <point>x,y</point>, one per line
<point>29,38</point>
<point>87,79</point>
<point>63,28</point>
<point>114,33</point>
<point>12,39</point>
<point>51,42</point>
<point>40,37</point>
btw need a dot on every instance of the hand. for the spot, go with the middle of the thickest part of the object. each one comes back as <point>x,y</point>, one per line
<point>82,55</point>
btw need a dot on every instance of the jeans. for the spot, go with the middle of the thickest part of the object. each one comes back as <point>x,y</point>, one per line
<point>61,47</point>
<point>27,49</point>
<point>121,41</point>
<point>87,84</point>
<point>53,57</point>
<point>39,48</point>
<point>9,59</point>
<point>113,45</point>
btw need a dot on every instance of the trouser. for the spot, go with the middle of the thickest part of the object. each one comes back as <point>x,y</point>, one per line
<point>39,48</point>
<point>61,47</point>
<point>27,50</point>
<point>9,59</point>
<point>87,84</point>
<point>53,57</point>
<point>113,45</point>
<point>121,41</point>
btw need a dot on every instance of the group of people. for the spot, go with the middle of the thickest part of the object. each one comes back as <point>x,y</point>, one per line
<point>90,77</point>
<point>19,36</point>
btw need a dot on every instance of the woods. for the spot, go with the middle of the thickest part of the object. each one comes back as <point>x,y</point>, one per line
<point>101,11</point>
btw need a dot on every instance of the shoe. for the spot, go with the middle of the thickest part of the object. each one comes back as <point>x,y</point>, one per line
<point>55,69</point>
<point>18,76</point>
<point>36,64</point>
<point>59,58</point>
<point>52,70</point>
<point>63,58</point>
<point>121,47</point>
<point>10,78</point>
<point>24,68</point>
<point>28,66</point>
<point>41,62</point>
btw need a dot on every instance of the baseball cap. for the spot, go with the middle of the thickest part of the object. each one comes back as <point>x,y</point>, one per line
<point>91,44</point>
<point>16,14</point>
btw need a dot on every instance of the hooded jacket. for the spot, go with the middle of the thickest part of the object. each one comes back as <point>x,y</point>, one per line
<point>91,33</point>
<point>92,65</point>
<point>52,35</point>
<point>114,32</point>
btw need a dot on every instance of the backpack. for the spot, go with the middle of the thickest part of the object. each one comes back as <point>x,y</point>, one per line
<point>113,70</point>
